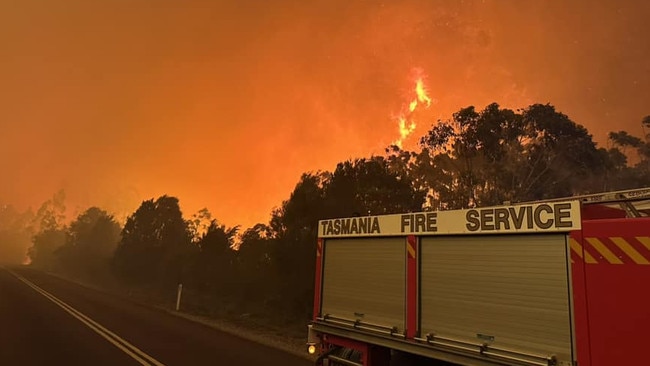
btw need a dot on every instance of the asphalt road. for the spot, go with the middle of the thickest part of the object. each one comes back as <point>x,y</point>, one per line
<point>48,321</point>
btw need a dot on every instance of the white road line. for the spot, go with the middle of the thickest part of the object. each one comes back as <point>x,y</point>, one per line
<point>117,341</point>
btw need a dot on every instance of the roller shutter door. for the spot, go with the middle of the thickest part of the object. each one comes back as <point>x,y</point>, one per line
<point>510,291</point>
<point>364,279</point>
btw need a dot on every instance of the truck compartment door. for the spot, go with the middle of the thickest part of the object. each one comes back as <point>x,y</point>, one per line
<point>364,280</point>
<point>510,292</point>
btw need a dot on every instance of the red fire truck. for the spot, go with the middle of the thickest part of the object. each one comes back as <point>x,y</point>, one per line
<point>555,283</point>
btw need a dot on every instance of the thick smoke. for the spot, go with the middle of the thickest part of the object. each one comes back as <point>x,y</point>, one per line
<point>225,104</point>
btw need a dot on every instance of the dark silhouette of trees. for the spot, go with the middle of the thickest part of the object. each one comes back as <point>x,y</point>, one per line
<point>370,187</point>
<point>15,234</point>
<point>496,155</point>
<point>293,228</point>
<point>621,174</point>
<point>358,187</point>
<point>256,266</point>
<point>199,223</point>
<point>645,125</point>
<point>49,231</point>
<point>478,158</point>
<point>215,264</point>
<point>91,240</point>
<point>624,140</point>
<point>155,245</point>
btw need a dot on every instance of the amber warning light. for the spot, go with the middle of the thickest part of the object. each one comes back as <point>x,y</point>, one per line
<point>312,340</point>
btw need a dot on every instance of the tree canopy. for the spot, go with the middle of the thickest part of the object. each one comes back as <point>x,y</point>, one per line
<point>49,232</point>
<point>487,157</point>
<point>91,240</point>
<point>154,241</point>
<point>475,158</point>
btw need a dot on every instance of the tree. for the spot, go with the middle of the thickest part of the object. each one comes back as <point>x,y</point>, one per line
<point>564,154</point>
<point>293,230</point>
<point>623,140</point>
<point>51,214</point>
<point>472,154</point>
<point>215,266</point>
<point>304,206</point>
<point>90,243</point>
<point>155,245</point>
<point>15,234</point>
<point>370,187</point>
<point>255,265</point>
<point>45,244</point>
<point>645,124</point>
<point>199,223</point>
<point>49,230</point>
<point>356,187</point>
<point>417,166</point>
<point>496,155</point>
<point>620,173</point>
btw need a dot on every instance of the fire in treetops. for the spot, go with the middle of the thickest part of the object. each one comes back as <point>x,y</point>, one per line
<point>419,99</point>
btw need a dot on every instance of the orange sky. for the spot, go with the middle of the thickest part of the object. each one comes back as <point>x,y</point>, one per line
<point>225,103</point>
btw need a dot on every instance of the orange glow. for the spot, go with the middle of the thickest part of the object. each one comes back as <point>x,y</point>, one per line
<point>405,121</point>
<point>224,106</point>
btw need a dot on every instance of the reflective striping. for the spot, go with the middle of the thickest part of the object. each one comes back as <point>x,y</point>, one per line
<point>604,251</point>
<point>411,250</point>
<point>612,250</point>
<point>577,248</point>
<point>629,250</point>
<point>319,247</point>
<point>644,240</point>
<point>590,259</point>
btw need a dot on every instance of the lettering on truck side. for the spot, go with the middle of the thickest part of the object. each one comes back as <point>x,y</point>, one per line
<point>556,216</point>
<point>357,225</point>
<point>419,222</point>
<point>543,216</point>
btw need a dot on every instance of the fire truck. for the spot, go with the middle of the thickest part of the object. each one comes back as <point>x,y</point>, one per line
<point>560,282</point>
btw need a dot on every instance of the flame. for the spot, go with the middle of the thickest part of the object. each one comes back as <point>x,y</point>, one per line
<point>421,93</point>
<point>413,105</point>
<point>406,122</point>
<point>405,129</point>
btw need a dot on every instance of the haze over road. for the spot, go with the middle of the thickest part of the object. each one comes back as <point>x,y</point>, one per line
<point>49,321</point>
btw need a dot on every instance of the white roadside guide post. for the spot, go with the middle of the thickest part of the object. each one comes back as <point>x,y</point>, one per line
<point>178,296</point>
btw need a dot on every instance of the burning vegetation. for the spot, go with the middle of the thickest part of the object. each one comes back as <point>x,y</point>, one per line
<point>475,158</point>
<point>406,118</point>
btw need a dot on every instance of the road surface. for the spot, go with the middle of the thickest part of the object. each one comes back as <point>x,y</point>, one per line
<point>48,321</point>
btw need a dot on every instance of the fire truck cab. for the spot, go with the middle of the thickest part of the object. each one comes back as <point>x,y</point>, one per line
<point>555,283</point>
